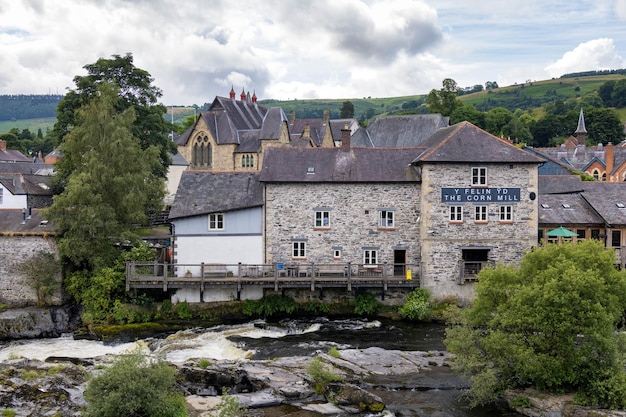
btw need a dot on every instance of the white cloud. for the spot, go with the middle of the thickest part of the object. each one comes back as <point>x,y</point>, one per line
<point>597,54</point>
<point>294,49</point>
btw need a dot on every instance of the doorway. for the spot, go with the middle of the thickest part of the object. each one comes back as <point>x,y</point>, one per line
<point>399,262</point>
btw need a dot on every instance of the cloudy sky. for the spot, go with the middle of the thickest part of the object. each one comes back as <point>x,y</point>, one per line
<point>287,49</point>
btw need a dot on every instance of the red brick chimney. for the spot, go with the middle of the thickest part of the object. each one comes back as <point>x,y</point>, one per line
<point>345,139</point>
<point>3,145</point>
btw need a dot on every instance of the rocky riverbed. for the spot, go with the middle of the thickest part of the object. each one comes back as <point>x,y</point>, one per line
<point>55,386</point>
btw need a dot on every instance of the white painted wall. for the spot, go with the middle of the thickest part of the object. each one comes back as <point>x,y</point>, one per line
<point>12,201</point>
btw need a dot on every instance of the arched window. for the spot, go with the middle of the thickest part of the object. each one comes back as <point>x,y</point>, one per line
<point>596,174</point>
<point>604,176</point>
<point>202,153</point>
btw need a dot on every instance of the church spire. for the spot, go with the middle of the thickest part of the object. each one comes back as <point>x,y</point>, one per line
<point>581,131</point>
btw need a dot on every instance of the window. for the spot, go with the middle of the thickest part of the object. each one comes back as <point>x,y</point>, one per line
<point>216,221</point>
<point>480,214</point>
<point>616,238</point>
<point>337,253</point>
<point>370,257</point>
<point>299,249</point>
<point>456,214</point>
<point>479,176</point>
<point>506,213</point>
<point>322,219</point>
<point>202,153</point>
<point>581,233</point>
<point>247,161</point>
<point>386,219</point>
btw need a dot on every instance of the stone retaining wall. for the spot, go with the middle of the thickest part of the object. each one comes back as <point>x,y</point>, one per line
<point>14,250</point>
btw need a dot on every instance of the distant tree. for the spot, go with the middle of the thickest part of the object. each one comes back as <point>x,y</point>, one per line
<point>618,95</point>
<point>604,126</point>
<point>549,323</point>
<point>187,123</point>
<point>496,119</point>
<point>491,85</point>
<point>135,90</point>
<point>113,184</point>
<point>347,110</point>
<point>445,100</point>
<point>43,275</point>
<point>605,91</point>
<point>468,113</point>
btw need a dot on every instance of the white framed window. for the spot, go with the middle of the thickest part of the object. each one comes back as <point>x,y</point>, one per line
<point>370,257</point>
<point>216,221</point>
<point>298,249</point>
<point>386,219</point>
<point>480,214</point>
<point>337,253</point>
<point>456,214</point>
<point>322,219</point>
<point>506,213</point>
<point>479,176</point>
<point>247,161</point>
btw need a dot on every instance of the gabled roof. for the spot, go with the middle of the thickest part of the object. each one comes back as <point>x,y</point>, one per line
<point>21,184</point>
<point>10,156</point>
<point>27,168</point>
<point>560,184</point>
<point>611,205</point>
<point>404,131</point>
<point>464,142</point>
<point>201,192</point>
<point>335,165</point>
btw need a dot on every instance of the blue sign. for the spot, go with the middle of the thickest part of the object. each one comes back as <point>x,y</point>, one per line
<point>480,195</point>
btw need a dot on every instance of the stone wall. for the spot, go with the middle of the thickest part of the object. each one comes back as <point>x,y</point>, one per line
<point>13,251</point>
<point>354,221</point>
<point>443,241</point>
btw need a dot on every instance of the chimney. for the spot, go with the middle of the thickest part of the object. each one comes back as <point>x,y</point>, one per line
<point>345,139</point>
<point>307,132</point>
<point>243,94</point>
<point>254,96</point>
<point>232,92</point>
<point>292,117</point>
<point>609,161</point>
<point>326,116</point>
<point>3,145</point>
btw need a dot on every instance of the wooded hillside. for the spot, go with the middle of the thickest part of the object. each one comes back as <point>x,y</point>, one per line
<point>32,106</point>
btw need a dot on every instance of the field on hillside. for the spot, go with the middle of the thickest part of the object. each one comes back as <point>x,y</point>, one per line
<point>31,124</point>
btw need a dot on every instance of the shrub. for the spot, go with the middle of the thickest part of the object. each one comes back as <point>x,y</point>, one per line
<point>42,275</point>
<point>366,304</point>
<point>230,406</point>
<point>135,386</point>
<point>8,413</point>
<point>334,352</point>
<point>417,305</point>
<point>315,307</point>
<point>204,363</point>
<point>184,311</point>
<point>269,306</point>
<point>320,375</point>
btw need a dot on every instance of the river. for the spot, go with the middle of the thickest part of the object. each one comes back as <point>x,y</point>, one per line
<point>262,340</point>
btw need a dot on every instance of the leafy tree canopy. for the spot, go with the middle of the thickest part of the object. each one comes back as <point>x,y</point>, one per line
<point>135,90</point>
<point>549,323</point>
<point>112,186</point>
<point>445,100</point>
<point>347,110</point>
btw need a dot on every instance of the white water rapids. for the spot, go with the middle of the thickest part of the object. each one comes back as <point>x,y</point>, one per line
<point>208,343</point>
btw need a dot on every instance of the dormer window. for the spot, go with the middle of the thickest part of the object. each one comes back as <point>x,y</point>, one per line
<point>247,161</point>
<point>310,170</point>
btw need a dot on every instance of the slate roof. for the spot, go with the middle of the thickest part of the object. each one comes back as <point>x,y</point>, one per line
<point>406,131</point>
<point>11,223</point>
<point>178,159</point>
<point>13,156</point>
<point>27,168</point>
<point>202,192</point>
<point>464,142</point>
<point>334,165</point>
<point>20,184</point>
<point>581,156</point>
<point>575,211</point>
<point>560,184</point>
<point>611,206</point>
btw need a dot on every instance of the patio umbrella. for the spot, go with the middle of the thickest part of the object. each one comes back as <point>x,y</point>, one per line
<point>561,232</point>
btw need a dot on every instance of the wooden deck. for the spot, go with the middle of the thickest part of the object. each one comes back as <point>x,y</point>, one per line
<point>275,276</point>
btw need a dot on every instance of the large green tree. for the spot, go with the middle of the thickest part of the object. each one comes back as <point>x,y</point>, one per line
<point>445,100</point>
<point>347,110</point>
<point>112,186</point>
<point>135,90</point>
<point>551,323</point>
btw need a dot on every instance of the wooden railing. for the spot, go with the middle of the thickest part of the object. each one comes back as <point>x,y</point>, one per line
<point>469,270</point>
<point>276,275</point>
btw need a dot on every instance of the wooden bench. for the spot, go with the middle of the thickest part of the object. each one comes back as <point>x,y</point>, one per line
<point>331,269</point>
<point>214,270</point>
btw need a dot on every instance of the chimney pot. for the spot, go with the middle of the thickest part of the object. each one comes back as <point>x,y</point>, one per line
<point>345,139</point>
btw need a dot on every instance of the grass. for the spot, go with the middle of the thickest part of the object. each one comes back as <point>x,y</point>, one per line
<point>31,124</point>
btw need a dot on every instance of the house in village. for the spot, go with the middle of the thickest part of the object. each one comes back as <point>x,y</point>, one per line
<point>602,162</point>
